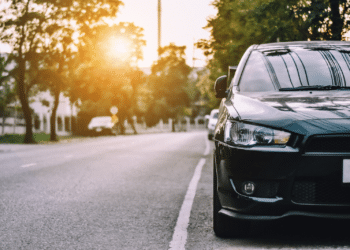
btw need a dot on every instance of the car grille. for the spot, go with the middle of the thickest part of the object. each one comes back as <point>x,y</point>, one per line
<point>320,191</point>
<point>340,143</point>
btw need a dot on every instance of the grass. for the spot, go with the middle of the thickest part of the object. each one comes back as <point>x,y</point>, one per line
<point>18,139</point>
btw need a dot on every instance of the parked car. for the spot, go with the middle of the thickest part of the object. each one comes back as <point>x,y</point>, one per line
<point>282,141</point>
<point>213,118</point>
<point>102,125</point>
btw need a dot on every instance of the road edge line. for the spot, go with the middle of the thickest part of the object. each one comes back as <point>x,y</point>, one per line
<point>28,165</point>
<point>207,147</point>
<point>180,233</point>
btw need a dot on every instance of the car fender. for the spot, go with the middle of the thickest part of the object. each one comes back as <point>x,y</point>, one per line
<point>226,111</point>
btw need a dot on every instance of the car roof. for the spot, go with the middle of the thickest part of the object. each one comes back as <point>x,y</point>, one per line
<point>102,118</point>
<point>284,45</point>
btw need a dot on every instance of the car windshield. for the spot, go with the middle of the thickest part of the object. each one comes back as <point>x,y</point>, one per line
<point>297,69</point>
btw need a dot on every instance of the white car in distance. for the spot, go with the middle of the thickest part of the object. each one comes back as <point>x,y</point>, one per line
<point>102,125</point>
<point>213,119</point>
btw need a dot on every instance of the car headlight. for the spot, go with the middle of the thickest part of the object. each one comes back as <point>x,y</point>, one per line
<point>242,134</point>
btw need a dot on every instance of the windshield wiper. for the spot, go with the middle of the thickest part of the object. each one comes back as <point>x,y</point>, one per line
<point>314,87</point>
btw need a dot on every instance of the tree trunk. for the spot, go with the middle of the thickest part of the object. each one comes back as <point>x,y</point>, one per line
<point>121,125</point>
<point>173,125</point>
<point>23,97</point>
<point>132,125</point>
<point>3,121</point>
<point>134,83</point>
<point>53,136</point>
<point>337,22</point>
<point>71,119</point>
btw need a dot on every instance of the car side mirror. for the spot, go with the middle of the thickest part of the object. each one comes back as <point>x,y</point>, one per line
<point>220,87</point>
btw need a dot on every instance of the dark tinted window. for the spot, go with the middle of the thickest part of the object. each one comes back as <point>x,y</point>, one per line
<point>255,76</point>
<point>316,66</point>
<point>295,68</point>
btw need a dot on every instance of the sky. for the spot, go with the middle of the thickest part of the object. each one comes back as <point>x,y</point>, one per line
<point>182,24</point>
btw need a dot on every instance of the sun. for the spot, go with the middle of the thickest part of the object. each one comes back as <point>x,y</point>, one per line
<point>119,48</point>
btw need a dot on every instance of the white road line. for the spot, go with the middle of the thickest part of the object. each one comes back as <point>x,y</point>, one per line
<point>180,233</point>
<point>207,147</point>
<point>28,165</point>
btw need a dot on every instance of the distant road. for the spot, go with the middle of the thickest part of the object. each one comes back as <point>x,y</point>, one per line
<point>126,192</point>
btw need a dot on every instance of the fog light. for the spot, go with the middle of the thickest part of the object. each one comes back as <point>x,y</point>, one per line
<point>248,188</point>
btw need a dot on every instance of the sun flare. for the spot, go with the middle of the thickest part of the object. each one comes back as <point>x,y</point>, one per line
<point>119,48</point>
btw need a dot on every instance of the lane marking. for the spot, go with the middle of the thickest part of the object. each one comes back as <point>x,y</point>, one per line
<point>180,233</point>
<point>207,147</point>
<point>28,165</point>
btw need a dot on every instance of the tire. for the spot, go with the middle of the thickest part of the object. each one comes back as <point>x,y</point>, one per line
<point>224,226</point>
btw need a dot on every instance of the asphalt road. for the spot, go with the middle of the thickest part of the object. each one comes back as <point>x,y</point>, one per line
<point>150,191</point>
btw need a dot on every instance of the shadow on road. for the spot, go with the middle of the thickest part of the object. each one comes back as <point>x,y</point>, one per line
<point>297,233</point>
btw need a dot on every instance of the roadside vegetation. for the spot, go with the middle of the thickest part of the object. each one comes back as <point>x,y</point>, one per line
<point>77,48</point>
<point>39,137</point>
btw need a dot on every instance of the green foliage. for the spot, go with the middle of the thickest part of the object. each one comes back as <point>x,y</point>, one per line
<point>7,94</point>
<point>325,19</point>
<point>18,139</point>
<point>205,86</point>
<point>12,138</point>
<point>240,24</point>
<point>168,82</point>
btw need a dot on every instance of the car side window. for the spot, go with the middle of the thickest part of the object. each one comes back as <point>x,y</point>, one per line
<point>255,77</point>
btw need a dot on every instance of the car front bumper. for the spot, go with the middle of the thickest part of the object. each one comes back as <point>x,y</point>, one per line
<point>288,183</point>
<point>240,216</point>
<point>101,130</point>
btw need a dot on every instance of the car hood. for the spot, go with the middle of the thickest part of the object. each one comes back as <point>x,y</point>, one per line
<point>300,111</point>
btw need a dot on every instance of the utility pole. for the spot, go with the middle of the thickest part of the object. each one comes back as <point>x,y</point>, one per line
<point>159,25</point>
<point>193,54</point>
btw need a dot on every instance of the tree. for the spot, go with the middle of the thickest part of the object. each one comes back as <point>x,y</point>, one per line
<point>239,24</point>
<point>205,86</point>
<point>168,82</point>
<point>326,19</point>
<point>7,94</point>
<point>30,25</point>
<point>108,74</point>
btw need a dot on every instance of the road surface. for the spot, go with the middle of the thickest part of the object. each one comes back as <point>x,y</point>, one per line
<point>149,191</point>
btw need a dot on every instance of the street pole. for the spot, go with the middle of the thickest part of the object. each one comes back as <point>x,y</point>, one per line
<point>193,55</point>
<point>159,25</point>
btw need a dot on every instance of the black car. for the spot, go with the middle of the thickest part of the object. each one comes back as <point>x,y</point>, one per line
<point>282,141</point>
